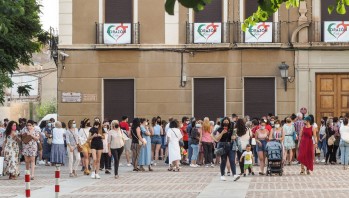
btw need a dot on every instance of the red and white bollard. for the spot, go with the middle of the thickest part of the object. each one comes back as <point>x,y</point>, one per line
<point>27,183</point>
<point>57,176</point>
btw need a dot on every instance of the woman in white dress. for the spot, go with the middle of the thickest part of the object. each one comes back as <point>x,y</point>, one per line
<point>174,135</point>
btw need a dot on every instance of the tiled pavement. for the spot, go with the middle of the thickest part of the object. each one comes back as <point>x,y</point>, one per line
<point>326,181</point>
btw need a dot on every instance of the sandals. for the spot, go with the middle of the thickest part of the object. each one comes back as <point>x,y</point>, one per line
<point>176,169</point>
<point>308,172</point>
<point>302,171</point>
<point>260,173</point>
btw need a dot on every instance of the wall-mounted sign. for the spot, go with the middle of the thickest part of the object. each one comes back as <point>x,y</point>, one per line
<point>207,32</point>
<point>90,97</point>
<point>259,33</point>
<point>72,97</point>
<point>117,33</point>
<point>336,31</point>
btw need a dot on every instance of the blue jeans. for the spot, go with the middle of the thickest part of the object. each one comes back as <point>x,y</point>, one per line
<point>345,152</point>
<point>228,154</point>
<point>322,145</point>
<point>190,150</point>
<point>195,154</point>
<point>255,154</point>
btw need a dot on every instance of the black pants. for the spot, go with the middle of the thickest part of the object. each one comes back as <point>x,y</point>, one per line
<point>208,155</point>
<point>331,153</point>
<point>241,163</point>
<point>116,153</point>
<point>105,161</point>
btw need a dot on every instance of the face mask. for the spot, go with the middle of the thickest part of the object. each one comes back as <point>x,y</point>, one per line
<point>159,122</point>
<point>116,126</point>
<point>14,128</point>
<point>277,125</point>
<point>272,122</point>
<point>262,127</point>
<point>265,120</point>
<point>105,129</point>
<point>74,125</point>
<point>225,124</point>
<point>49,124</point>
<point>187,122</point>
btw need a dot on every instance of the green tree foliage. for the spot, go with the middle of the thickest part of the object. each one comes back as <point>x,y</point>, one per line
<point>266,8</point>
<point>20,36</point>
<point>46,108</point>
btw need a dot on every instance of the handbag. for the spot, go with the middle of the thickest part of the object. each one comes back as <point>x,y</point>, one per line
<point>219,151</point>
<point>331,140</point>
<point>181,143</point>
<point>317,151</point>
<point>78,146</point>
<point>26,138</point>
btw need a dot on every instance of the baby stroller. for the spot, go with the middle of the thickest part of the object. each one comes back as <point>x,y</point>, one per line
<point>274,155</point>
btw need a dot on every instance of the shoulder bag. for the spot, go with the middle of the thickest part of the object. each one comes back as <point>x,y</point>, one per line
<point>78,146</point>
<point>26,138</point>
<point>181,143</point>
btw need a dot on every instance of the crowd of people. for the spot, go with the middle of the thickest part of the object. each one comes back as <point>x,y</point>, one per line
<point>225,142</point>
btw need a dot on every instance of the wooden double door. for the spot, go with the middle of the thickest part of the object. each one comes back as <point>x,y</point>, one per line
<point>332,95</point>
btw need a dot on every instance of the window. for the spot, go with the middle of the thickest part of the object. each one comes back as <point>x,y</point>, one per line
<point>209,98</point>
<point>118,98</point>
<point>251,6</point>
<point>259,96</point>
<point>211,13</point>
<point>118,11</point>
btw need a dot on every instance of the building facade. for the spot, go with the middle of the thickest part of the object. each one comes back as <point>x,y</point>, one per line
<point>122,57</point>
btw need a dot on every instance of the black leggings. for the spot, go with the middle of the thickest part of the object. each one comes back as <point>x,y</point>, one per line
<point>331,153</point>
<point>208,154</point>
<point>105,161</point>
<point>116,153</point>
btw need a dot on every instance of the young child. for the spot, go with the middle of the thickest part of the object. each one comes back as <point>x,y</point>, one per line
<point>248,157</point>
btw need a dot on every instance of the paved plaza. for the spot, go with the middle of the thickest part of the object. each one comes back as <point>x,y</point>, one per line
<point>326,181</point>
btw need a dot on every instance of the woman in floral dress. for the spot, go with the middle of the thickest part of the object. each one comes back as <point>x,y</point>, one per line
<point>30,149</point>
<point>11,150</point>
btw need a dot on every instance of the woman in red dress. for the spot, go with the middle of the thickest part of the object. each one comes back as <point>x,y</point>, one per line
<point>306,150</point>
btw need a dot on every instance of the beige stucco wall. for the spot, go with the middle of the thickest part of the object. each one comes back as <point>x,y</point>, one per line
<point>157,78</point>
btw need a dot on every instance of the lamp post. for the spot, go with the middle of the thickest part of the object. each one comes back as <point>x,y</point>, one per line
<point>283,67</point>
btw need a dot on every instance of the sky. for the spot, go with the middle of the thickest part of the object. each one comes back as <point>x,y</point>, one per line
<point>49,16</point>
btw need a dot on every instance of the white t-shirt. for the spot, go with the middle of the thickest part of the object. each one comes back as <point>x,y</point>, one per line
<point>167,127</point>
<point>344,131</point>
<point>84,134</point>
<point>58,136</point>
<point>248,157</point>
<point>245,139</point>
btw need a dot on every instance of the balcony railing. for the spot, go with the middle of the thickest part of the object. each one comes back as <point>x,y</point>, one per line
<point>117,33</point>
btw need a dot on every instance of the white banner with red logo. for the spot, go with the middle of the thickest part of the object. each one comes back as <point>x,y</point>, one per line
<point>260,33</point>
<point>336,31</point>
<point>207,32</point>
<point>117,33</point>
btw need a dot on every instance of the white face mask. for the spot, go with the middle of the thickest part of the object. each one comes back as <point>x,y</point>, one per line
<point>105,129</point>
<point>277,125</point>
<point>262,127</point>
<point>74,125</point>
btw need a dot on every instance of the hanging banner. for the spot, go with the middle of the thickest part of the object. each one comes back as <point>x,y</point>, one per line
<point>260,33</point>
<point>207,32</point>
<point>117,33</point>
<point>336,31</point>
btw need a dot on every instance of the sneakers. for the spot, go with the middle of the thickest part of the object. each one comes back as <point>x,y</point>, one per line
<point>295,162</point>
<point>323,161</point>
<point>212,165</point>
<point>317,161</point>
<point>41,162</point>
<point>236,177</point>
<point>97,176</point>
<point>194,165</point>
<point>93,175</point>
<point>228,173</point>
<point>107,171</point>
<point>128,165</point>
<point>244,175</point>
<point>223,178</point>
